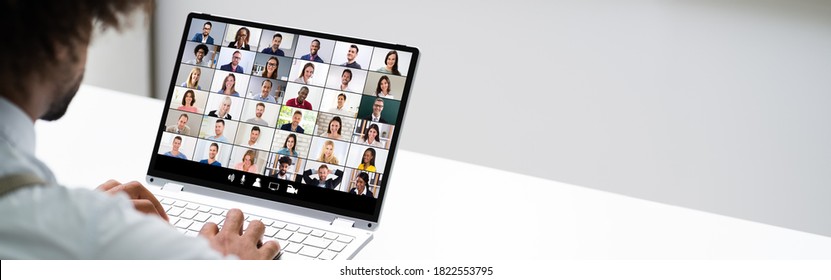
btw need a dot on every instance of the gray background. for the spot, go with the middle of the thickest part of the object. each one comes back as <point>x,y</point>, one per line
<point>721,106</point>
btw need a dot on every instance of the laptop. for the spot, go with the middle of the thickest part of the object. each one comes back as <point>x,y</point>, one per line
<point>297,128</point>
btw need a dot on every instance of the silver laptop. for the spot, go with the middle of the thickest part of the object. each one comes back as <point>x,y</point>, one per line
<point>295,127</point>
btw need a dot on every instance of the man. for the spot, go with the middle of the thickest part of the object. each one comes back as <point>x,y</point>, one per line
<point>283,164</point>
<point>312,55</point>
<point>219,129</point>
<point>199,52</point>
<point>233,66</point>
<point>360,186</point>
<point>340,110</point>
<point>174,152</point>
<point>300,101</point>
<point>294,126</point>
<point>259,115</point>
<point>345,78</point>
<point>212,151</point>
<point>265,93</point>
<point>223,110</point>
<point>181,126</point>
<point>351,54</point>
<point>377,107</point>
<point>205,36</point>
<point>323,180</point>
<point>254,136</point>
<point>50,221</point>
<point>275,45</point>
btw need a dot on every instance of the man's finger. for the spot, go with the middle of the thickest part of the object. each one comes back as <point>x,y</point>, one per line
<point>109,184</point>
<point>233,221</point>
<point>209,230</point>
<point>255,230</point>
<point>137,191</point>
<point>270,249</point>
<point>147,207</point>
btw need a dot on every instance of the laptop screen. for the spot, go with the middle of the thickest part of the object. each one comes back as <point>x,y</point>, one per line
<point>282,114</point>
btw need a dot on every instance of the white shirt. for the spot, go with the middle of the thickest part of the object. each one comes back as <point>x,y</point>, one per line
<point>54,222</point>
<point>341,111</point>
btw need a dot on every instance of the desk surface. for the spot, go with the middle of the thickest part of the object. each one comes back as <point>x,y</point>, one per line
<point>463,212</point>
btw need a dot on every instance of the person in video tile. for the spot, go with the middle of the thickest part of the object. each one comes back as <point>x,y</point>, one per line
<point>205,36</point>
<point>193,79</point>
<point>323,179</point>
<point>371,137</point>
<point>289,146</point>
<point>351,54</point>
<point>254,136</point>
<point>312,55</point>
<point>241,40</point>
<point>300,100</point>
<point>345,78</point>
<point>181,126</point>
<point>229,86</point>
<point>233,66</point>
<point>271,68</point>
<point>294,125</point>
<point>306,75</point>
<point>222,112</point>
<point>187,103</point>
<point>377,108</point>
<point>361,185</point>
<point>327,155</point>
<point>265,93</point>
<point>219,129</point>
<point>199,52</point>
<point>283,166</point>
<point>340,110</point>
<point>383,88</point>
<point>275,45</point>
<point>368,161</point>
<point>391,62</point>
<point>247,163</point>
<point>174,152</point>
<point>213,150</point>
<point>258,119</point>
<point>334,129</point>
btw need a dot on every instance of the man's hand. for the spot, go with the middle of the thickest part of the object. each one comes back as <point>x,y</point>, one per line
<point>231,239</point>
<point>143,200</point>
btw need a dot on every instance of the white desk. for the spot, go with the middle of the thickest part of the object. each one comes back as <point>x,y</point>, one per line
<point>467,212</point>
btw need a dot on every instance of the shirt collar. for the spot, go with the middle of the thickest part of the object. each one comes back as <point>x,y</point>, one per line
<point>17,128</point>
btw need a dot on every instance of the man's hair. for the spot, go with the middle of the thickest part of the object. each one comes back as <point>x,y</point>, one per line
<point>316,40</point>
<point>297,113</point>
<point>183,115</point>
<point>40,30</point>
<point>284,159</point>
<point>256,128</point>
<point>347,71</point>
<point>177,138</point>
<point>355,47</point>
<point>220,121</point>
<point>202,47</point>
<point>269,82</point>
<point>215,145</point>
<point>277,35</point>
<point>208,23</point>
<point>260,104</point>
<point>323,166</point>
<point>344,96</point>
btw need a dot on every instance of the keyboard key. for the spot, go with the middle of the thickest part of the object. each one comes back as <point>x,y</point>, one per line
<point>270,231</point>
<point>173,220</point>
<point>318,233</point>
<point>267,222</point>
<point>167,208</point>
<point>202,217</point>
<point>203,208</point>
<point>311,252</point>
<point>283,243</point>
<point>337,246</point>
<point>196,226</point>
<point>180,204</point>
<point>327,255</point>
<point>192,233</point>
<point>216,220</point>
<point>192,206</point>
<point>283,234</point>
<point>217,211</point>
<point>292,227</point>
<point>297,237</point>
<point>188,214</point>
<point>183,224</point>
<point>317,242</point>
<point>182,230</point>
<point>293,248</point>
<point>330,235</point>
<point>294,257</point>
<point>278,224</point>
<point>167,201</point>
<point>176,211</point>
<point>304,230</point>
<point>345,239</point>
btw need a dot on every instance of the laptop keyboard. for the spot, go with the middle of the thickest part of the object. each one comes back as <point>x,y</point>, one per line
<point>296,242</point>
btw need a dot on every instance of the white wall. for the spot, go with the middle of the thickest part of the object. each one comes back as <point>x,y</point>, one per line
<point>121,60</point>
<point>722,107</point>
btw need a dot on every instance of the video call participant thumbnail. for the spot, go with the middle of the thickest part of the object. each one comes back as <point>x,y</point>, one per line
<point>312,55</point>
<point>306,75</point>
<point>200,51</point>
<point>361,187</point>
<point>377,109</point>
<point>187,102</point>
<point>300,101</point>
<point>224,108</point>
<point>391,64</point>
<point>229,86</point>
<point>258,119</point>
<point>193,79</point>
<point>274,49</point>
<point>289,146</point>
<point>174,152</point>
<point>181,126</point>
<point>283,166</point>
<point>368,160</point>
<point>213,150</point>
<point>372,137</point>
<point>294,125</point>
<point>265,92</point>
<point>271,68</point>
<point>351,54</point>
<point>233,66</point>
<point>241,39</point>
<point>323,180</point>
<point>205,36</point>
<point>340,109</point>
<point>247,164</point>
<point>219,131</point>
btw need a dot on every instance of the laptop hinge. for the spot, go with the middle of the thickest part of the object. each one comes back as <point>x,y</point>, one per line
<point>341,222</point>
<point>172,187</point>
